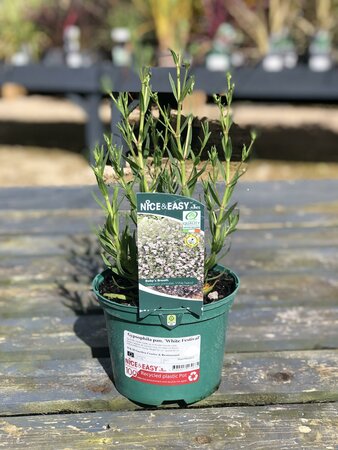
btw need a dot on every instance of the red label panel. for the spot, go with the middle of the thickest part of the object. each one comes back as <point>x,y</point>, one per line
<point>165,378</point>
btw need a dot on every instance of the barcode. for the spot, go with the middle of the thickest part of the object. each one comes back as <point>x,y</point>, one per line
<point>186,366</point>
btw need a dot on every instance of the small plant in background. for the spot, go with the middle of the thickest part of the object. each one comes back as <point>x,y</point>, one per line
<point>162,160</point>
<point>51,17</point>
<point>320,25</point>
<point>261,20</point>
<point>170,21</point>
<point>18,32</point>
<point>125,15</point>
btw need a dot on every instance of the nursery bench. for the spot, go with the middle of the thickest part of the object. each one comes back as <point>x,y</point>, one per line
<point>87,85</point>
<point>279,385</point>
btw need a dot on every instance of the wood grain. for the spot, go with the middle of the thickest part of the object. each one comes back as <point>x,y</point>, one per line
<point>260,329</point>
<point>258,261</point>
<point>296,427</point>
<point>79,385</point>
<point>279,379</point>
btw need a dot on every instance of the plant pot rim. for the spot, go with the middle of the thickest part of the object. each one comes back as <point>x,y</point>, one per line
<point>134,309</point>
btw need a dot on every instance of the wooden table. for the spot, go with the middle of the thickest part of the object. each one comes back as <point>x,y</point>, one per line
<point>279,388</point>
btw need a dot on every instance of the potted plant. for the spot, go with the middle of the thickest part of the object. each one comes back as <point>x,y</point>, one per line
<point>320,49</point>
<point>270,26</point>
<point>170,351</point>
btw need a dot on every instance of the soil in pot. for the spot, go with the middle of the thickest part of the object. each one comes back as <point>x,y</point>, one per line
<point>224,286</point>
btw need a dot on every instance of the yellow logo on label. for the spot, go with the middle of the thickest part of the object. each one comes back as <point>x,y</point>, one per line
<point>191,240</point>
<point>171,320</point>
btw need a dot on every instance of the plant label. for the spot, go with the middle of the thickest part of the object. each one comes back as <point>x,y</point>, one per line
<point>162,361</point>
<point>170,241</point>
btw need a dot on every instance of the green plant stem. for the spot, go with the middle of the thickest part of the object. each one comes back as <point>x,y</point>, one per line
<point>178,126</point>
<point>145,94</point>
<point>168,172</point>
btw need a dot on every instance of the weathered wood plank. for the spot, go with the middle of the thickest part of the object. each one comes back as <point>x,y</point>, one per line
<point>297,427</point>
<point>40,198</point>
<point>36,302</point>
<point>40,299</point>
<point>250,329</point>
<point>296,260</point>
<point>67,222</point>
<point>20,268</point>
<point>285,238</point>
<point>288,288</point>
<point>23,245</point>
<point>257,261</point>
<point>48,297</point>
<point>268,205</point>
<point>39,387</point>
<point>263,194</point>
<point>57,222</point>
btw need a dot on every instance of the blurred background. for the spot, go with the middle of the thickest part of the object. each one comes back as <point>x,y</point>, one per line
<point>42,137</point>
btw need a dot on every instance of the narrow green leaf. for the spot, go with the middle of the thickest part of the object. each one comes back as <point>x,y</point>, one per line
<point>173,86</point>
<point>98,201</point>
<point>175,57</point>
<point>228,213</point>
<point>214,194</point>
<point>189,87</point>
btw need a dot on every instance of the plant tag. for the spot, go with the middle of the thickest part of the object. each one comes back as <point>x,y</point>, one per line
<point>162,361</point>
<point>170,240</point>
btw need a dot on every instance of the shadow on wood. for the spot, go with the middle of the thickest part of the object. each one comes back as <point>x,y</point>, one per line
<point>85,259</point>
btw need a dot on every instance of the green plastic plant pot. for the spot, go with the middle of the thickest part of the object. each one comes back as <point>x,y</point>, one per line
<point>170,356</point>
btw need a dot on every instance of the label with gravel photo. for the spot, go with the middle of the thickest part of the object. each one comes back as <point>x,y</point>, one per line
<point>170,240</point>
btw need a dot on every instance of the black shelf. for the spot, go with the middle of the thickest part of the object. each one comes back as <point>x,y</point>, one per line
<point>86,85</point>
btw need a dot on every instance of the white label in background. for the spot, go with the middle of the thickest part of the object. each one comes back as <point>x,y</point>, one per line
<point>165,361</point>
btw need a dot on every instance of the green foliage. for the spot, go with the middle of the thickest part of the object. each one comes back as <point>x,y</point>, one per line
<point>169,20</point>
<point>174,167</point>
<point>16,30</point>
